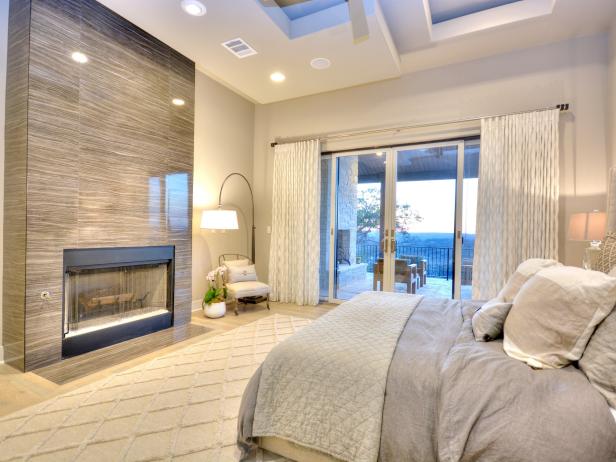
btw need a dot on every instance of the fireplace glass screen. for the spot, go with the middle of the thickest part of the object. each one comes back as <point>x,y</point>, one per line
<point>105,297</point>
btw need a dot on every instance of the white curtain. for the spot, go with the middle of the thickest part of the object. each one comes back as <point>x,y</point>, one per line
<point>294,247</point>
<point>517,205</point>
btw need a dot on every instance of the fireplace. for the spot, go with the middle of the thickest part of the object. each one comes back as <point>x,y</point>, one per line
<point>115,294</point>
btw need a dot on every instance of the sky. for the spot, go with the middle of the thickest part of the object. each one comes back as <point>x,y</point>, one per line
<point>434,200</point>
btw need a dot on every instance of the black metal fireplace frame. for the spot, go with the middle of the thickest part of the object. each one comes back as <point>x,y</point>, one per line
<point>110,257</point>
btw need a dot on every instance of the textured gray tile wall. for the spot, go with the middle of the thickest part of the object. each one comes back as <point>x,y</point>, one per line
<point>109,158</point>
<point>14,256</point>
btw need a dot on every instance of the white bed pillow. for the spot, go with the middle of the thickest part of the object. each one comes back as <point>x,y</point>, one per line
<point>241,262</point>
<point>555,313</point>
<point>489,319</point>
<point>526,270</point>
<point>241,274</point>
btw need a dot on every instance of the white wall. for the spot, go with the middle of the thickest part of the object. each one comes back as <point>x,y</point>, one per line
<point>574,71</point>
<point>224,125</point>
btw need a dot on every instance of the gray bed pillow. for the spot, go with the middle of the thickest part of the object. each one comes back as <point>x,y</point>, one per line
<point>599,359</point>
<point>489,320</point>
<point>555,313</point>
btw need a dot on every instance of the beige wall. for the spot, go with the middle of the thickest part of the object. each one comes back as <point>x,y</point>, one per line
<point>612,93</point>
<point>4,18</point>
<point>575,71</point>
<point>224,125</point>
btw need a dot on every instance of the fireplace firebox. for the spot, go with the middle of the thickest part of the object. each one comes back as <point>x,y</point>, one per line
<point>115,294</point>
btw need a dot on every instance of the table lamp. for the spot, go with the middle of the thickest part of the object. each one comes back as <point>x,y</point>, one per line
<point>589,227</point>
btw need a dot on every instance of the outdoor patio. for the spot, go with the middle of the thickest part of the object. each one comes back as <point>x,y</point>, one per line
<point>434,287</point>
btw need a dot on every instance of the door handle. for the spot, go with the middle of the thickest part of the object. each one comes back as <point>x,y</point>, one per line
<point>393,246</point>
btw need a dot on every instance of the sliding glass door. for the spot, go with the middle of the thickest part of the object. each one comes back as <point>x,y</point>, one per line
<point>399,220</point>
<point>357,223</point>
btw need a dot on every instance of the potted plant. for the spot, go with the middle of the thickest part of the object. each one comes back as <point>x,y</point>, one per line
<point>214,299</point>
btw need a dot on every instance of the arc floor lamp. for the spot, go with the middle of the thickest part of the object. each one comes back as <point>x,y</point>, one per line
<point>223,219</point>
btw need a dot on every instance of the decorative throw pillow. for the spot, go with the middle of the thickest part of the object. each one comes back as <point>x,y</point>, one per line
<point>555,313</point>
<point>241,273</point>
<point>599,360</point>
<point>523,273</point>
<point>241,262</point>
<point>610,237</point>
<point>488,321</point>
<point>606,257</point>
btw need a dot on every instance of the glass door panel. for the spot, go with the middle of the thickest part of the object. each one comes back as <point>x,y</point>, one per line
<point>469,215</point>
<point>358,249</point>
<point>325,227</point>
<point>425,221</point>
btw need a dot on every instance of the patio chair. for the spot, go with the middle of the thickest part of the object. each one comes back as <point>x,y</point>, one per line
<point>405,273</point>
<point>422,267</point>
<point>244,292</point>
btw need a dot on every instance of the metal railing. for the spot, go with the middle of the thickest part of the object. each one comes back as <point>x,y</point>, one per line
<point>440,259</point>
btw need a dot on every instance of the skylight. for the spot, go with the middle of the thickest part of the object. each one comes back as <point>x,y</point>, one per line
<point>445,10</point>
<point>300,10</point>
<point>310,16</point>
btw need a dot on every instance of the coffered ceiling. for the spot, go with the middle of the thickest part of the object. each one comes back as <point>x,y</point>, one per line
<point>405,36</point>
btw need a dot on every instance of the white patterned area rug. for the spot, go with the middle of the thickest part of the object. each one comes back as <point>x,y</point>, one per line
<point>182,406</point>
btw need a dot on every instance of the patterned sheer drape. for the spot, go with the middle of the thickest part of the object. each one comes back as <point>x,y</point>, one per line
<point>294,248</point>
<point>517,206</point>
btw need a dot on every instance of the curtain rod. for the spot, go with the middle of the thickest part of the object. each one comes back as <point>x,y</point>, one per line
<point>562,107</point>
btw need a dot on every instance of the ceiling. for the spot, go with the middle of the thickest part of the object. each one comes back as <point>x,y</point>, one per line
<point>405,36</point>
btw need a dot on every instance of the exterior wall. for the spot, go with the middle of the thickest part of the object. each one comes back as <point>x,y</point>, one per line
<point>109,158</point>
<point>347,201</point>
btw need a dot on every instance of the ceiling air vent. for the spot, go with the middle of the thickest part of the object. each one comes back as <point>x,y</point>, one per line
<point>239,48</point>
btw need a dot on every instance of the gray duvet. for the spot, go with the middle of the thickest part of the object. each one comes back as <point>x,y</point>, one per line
<point>450,398</point>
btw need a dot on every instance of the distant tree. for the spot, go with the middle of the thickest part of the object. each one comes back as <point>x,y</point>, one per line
<point>369,213</point>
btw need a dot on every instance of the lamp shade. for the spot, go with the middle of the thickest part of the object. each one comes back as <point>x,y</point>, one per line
<point>219,219</point>
<point>587,226</point>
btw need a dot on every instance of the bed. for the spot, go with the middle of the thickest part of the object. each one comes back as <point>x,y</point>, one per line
<point>360,384</point>
<point>440,395</point>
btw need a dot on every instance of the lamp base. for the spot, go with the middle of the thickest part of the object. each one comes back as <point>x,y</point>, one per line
<point>590,254</point>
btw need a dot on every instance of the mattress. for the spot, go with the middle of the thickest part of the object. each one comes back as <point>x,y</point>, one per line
<point>613,413</point>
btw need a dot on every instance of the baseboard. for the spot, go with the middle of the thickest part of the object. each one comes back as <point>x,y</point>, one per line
<point>196,305</point>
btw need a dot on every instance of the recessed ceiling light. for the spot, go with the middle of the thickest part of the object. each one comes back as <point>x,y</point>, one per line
<point>320,63</point>
<point>278,77</point>
<point>79,57</point>
<point>193,7</point>
<point>178,101</point>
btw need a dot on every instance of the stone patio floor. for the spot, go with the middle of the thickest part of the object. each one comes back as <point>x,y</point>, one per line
<point>434,288</point>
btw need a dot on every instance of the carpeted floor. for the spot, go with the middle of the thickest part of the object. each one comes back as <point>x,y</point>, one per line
<point>181,407</point>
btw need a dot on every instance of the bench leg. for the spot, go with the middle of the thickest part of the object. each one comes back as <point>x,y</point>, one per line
<point>267,302</point>
<point>235,307</point>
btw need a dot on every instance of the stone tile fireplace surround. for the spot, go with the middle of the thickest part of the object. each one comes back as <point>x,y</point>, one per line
<point>96,156</point>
